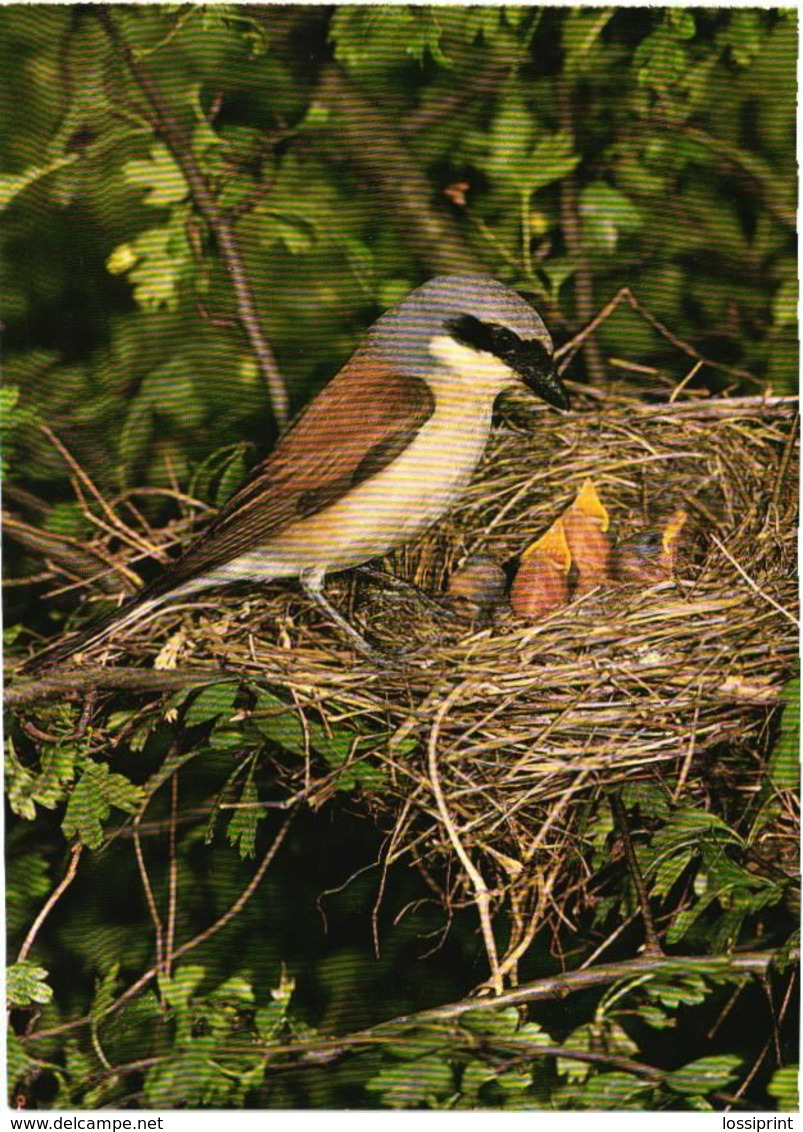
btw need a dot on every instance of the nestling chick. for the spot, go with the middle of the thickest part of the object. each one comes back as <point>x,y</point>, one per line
<point>541,584</point>
<point>478,586</point>
<point>648,557</point>
<point>586,525</point>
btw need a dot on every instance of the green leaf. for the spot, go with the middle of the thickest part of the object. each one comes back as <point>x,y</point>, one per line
<point>159,175</point>
<point>19,1064</point>
<point>242,829</point>
<point>705,1075</point>
<point>681,21</point>
<point>475,1075</point>
<point>11,185</point>
<point>25,984</point>
<point>181,1080</point>
<point>97,792</point>
<point>296,233</point>
<point>614,1090</point>
<point>784,1087</point>
<point>784,304</point>
<point>655,1017</point>
<point>179,988</point>
<point>105,992</point>
<point>412,1083</point>
<point>552,159</point>
<point>210,703</point>
<point>661,59</point>
<point>494,1023</point>
<point>785,758</point>
<point>20,784</point>
<point>279,723</point>
<point>688,991</point>
<point>155,261</point>
<point>744,36</point>
<point>362,35</point>
<point>581,30</point>
<point>606,213</point>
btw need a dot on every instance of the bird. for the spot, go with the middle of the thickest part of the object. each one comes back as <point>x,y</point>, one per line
<point>478,586</point>
<point>586,524</point>
<point>541,584</point>
<point>648,556</point>
<point>381,453</point>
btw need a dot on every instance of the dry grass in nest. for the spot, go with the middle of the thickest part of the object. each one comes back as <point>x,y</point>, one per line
<point>493,739</point>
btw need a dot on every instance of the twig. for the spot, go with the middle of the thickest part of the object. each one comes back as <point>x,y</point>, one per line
<point>173,878</point>
<point>174,137</point>
<point>624,294</point>
<point>146,884</point>
<point>652,945</point>
<point>78,680</point>
<point>190,945</point>
<point>71,555</point>
<point>370,142</point>
<point>765,1049</point>
<point>51,902</point>
<point>481,894</point>
<point>786,458</point>
<point>114,524</point>
<point>573,234</point>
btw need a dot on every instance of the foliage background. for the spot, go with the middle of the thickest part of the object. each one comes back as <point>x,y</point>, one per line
<point>353,152</point>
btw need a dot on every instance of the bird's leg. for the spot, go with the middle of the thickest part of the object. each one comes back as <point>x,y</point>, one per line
<point>312,583</point>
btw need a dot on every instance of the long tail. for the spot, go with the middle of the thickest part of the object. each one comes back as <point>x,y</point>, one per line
<point>133,610</point>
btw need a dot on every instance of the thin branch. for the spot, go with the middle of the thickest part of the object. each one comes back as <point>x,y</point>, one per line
<point>190,945</point>
<point>70,555</point>
<point>146,885</point>
<point>51,902</point>
<point>173,878</point>
<point>175,138</point>
<point>481,895</point>
<point>370,143</point>
<point>624,294</point>
<point>78,680</point>
<point>572,225</point>
<point>652,945</point>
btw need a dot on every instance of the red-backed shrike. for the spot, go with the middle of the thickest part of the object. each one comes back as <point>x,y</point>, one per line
<point>383,451</point>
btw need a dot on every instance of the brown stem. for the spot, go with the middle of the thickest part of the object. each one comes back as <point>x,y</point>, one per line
<point>172,900</point>
<point>190,945</point>
<point>624,294</point>
<point>69,554</point>
<point>652,945</point>
<point>370,143</point>
<point>175,138</point>
<point>112,679</point>
<point>573,234</point>
<point>486,80</point>
<point>51,902</point>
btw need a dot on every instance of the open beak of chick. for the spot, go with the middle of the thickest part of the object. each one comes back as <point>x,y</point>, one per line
<point>649,556</point>
<point>586,525</point>
<point>541,584</point>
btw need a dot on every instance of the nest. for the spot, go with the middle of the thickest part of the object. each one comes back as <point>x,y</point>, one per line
<point>496,740</point>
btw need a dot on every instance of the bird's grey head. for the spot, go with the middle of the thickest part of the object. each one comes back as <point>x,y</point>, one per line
<point>475,316</point>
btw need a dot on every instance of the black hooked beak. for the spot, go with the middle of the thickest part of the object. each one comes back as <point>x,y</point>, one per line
<point>537,370</point>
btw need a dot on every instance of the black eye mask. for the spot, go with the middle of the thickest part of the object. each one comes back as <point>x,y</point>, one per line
<point>528,357</point>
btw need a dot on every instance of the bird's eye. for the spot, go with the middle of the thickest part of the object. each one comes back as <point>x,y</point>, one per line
<point>504,340</point>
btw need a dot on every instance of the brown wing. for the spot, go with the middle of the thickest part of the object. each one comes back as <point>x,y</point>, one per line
<point>357,425</point>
